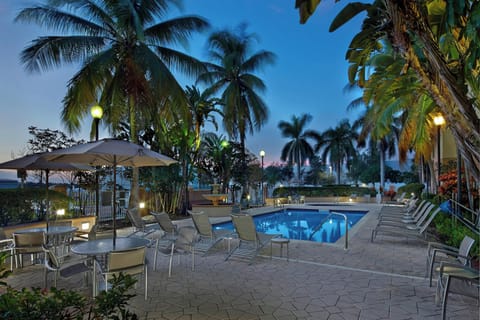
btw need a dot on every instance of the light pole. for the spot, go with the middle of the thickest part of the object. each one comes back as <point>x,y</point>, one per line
<point>97,113</point>
<point>262,155</point>
<point>438,120</point>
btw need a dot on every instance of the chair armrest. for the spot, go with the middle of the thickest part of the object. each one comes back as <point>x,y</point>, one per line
<point>450,253</point>
<point>438,245</point>
<point>458,271</point>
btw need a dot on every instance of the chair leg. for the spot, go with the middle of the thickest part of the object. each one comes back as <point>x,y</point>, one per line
<point>171,260</point>
<point>155,256</point>
<point>445,297</point>
<point>146,281</point>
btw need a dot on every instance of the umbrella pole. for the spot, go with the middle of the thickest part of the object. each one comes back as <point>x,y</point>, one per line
<point>47,205</point>
<point>114,214</point>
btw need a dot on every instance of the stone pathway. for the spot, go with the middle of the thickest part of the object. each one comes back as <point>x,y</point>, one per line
<point>380,280</point>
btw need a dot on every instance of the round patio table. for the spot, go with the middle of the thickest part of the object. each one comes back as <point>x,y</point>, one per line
<point>100,247</point>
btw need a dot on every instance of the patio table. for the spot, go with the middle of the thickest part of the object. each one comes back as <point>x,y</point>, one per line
<point>94,248</point>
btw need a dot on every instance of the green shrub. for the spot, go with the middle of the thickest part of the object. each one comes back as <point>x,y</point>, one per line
<point>415,188</point>
<point>61,304</point>
<point>25,205</point>
<point>325,191</point>
<point>452,232</point>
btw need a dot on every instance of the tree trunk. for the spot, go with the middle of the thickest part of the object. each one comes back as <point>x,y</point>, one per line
<point>382,165</point>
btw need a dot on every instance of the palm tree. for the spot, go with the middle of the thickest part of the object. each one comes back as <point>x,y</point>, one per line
<point>337,145</point>
<point>298,150</point>
<point>440,47</point>
<point>202,107</point>
<point>125,52</point>
<point>232,73</point>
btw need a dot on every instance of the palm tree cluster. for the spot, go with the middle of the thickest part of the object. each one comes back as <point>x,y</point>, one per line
<point>413,60</point>
<point>128,59</point>
<point>336,145</point>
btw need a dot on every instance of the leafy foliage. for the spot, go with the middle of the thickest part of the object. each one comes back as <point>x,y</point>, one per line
<point>61,304</point>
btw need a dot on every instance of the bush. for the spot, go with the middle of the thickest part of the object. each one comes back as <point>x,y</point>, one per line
<point>452,232</point>
<point>27,205</point>
<point>36,303</point>
<point>325,191</point>
<point>415,188</point>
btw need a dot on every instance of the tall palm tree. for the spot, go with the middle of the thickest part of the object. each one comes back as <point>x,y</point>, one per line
<point>125,51</point>
<point>298,150</point>
<point>232,73</point>
<point>337,145</point>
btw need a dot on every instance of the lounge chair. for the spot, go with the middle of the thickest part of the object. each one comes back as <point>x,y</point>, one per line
<point>457,279</point>
<point>208,237</point>
<point>141,228</point>
<point>411,222</point>
<point>250,242</point>
<point>438,252</point>
<point>403,231</point>
<point>411,209</point>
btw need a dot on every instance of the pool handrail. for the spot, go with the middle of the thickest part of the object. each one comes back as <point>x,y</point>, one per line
<point>317,228</point>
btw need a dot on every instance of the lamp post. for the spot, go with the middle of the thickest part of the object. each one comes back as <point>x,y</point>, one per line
<point>97,112</point>
<point>262,155</point>
<point>438,120</point>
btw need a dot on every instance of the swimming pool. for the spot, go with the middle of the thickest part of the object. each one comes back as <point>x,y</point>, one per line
<point>302,224</point>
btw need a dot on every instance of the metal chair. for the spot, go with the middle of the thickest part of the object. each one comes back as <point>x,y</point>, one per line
<point>7,245</point>
<point>250,242</point>
<point>129,262</point>
<point>52,264</point>
<point>208,237</point>
<point>438,252</point>
<point>141,228</point>
<point>456,279</point>
<point>28,243</point>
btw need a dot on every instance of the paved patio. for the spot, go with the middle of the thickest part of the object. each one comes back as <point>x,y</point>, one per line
<point>380,280</point>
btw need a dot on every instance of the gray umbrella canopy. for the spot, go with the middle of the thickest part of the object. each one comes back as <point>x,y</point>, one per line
<point>113,153</point>
<point>37,161</point>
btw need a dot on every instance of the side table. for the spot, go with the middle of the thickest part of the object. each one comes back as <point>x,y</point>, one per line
<point>281,242</point>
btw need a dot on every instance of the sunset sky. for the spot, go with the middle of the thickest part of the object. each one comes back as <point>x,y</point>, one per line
<point>309,77</point>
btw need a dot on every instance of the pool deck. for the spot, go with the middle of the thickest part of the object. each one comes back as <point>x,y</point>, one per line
<point>380,280</point>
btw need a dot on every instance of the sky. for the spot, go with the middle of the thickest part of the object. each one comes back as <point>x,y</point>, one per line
<point>309,75</point>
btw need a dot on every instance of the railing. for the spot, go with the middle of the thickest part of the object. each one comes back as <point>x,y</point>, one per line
<point>466,216</point>
<point>319,226</point>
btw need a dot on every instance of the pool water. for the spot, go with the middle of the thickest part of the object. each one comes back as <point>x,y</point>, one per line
<point>303,224</point>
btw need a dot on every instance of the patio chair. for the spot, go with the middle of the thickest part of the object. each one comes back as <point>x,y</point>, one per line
<point>140,226</point>
<point>438,252</point>
<point>129,262</point>
<point>166,243</point>
<point>456,279</point>
<point>7,245</point>
<point>52,264</point>
<point>28,243</point>
<point>96,233</point>
<point>182,244</point>
<point>208,237</point>
<point>403,231</point>
<point>250,242</point>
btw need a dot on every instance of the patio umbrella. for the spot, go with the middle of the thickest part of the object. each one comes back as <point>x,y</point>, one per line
<point>36,161</point>
<point>113,153</point>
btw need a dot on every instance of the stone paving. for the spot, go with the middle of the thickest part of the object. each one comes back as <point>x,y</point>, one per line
<point>379,280</point>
